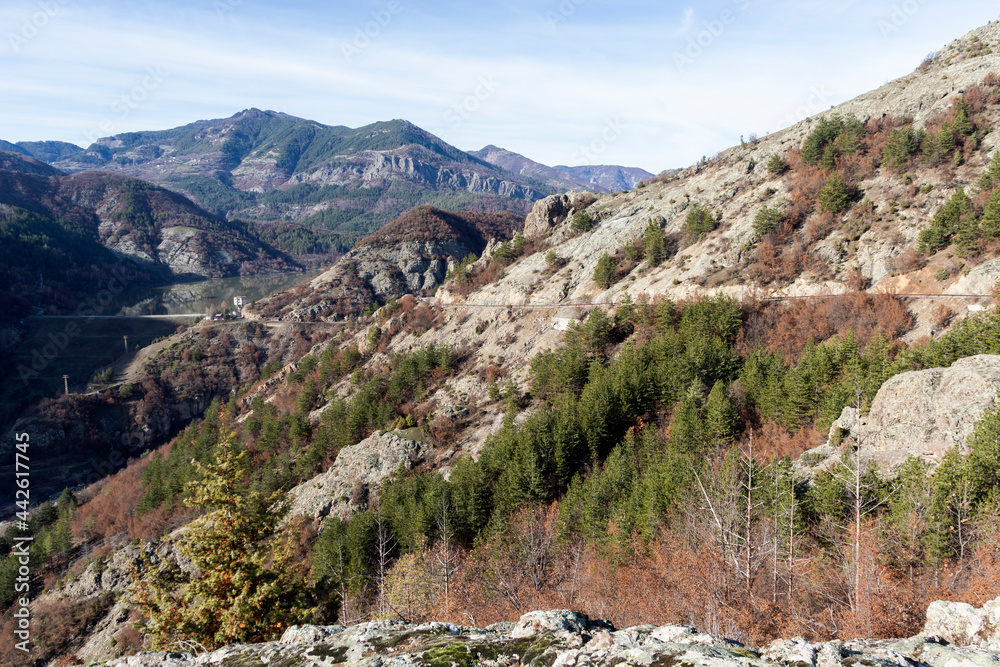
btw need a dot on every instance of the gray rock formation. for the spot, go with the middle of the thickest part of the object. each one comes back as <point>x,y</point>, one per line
<point>964,625</point>
<point>923,413</point>
<point>546,214</point>
<point>344,488</point>
<point>557,639</point>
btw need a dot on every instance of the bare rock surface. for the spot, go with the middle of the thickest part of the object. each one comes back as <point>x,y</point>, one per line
<point>923,413</point>
<point>560,638</point>
<point>964,625</point>
<point>359,469</point>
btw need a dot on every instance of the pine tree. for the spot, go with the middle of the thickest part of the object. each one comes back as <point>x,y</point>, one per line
<point>990,223</point>
<point>991,177</point>
<point>604,272</point>
<point>654,244</point>
<point>245,587</point>
<point>721,418</point>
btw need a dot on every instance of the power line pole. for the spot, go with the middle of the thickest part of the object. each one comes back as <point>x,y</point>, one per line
<point>126,344</point>
<point>66,383</point>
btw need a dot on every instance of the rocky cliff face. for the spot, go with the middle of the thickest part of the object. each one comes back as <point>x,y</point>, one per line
<point>563,639</point>
<point>411,255</point>
<point>154,228</point>
<point>920,413</point>
<point>358,470</point>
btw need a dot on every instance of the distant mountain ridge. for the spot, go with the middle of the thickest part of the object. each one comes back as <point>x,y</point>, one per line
<point>56,221</point>
<point>264,166</point>
<point>516,163</point>
<point>610,178</point>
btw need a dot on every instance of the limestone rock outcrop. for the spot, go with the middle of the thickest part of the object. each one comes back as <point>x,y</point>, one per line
<point>964,625</point>
<point>359,469</point>
<point>923,413</point>
<point>546,214</point>
<point>558,639</point>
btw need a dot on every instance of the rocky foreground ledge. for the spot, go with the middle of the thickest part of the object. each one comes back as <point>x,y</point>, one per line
<point>956,635</point>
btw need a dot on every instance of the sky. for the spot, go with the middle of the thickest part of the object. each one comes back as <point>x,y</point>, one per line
<point>655,85</point>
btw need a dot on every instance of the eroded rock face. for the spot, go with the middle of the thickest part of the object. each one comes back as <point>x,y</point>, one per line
<point>923,413</point>
<point>545,215</point>
<point>964,625</point>
<point>556,639</point>
<point>344,488</point>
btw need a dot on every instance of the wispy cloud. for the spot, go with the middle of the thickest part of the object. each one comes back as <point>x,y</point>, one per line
<point>686,22</point>
<point>557,88</point>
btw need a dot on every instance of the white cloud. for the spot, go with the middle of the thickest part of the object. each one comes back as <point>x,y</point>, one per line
<point>686,22</point>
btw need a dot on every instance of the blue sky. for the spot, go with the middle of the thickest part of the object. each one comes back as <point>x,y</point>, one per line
<point>649,84</point>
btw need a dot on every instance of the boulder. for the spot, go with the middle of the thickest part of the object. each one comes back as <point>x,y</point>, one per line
<point>562,620</point>
<point>359,469</point>
<point>963,625</point>
<point>923,413</point>
<point>546,214</point>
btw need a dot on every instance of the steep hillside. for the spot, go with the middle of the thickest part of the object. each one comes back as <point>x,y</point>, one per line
<point>265,166</point>
<point>47,151</point>
<point>145,224</point>
<point>411,255</point>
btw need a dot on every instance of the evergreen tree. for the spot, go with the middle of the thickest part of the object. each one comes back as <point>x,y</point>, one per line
<point>899,147</point>
<point>766,220</point>
<point>245,587</point>
<point>991,177</point>
<point>604,272</point>
<point>654,244</point>
<point>721,418</point>
<point>835,195</point>
<point>990,223</point>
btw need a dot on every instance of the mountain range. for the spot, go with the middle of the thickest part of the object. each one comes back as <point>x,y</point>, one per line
<point>263,166</point>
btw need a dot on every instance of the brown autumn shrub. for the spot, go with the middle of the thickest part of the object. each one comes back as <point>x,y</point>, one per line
<point>856,280</point>
<point>909,260</point>
<point>942,316</point>
<point>787,325</point>
<point>773,441</point>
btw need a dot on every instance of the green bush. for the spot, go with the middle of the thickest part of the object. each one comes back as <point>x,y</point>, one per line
<point>766,221</point>
<point>835,195</point>
<point>700,221</point>
<point>777,164</point>
<point>581,222</point>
